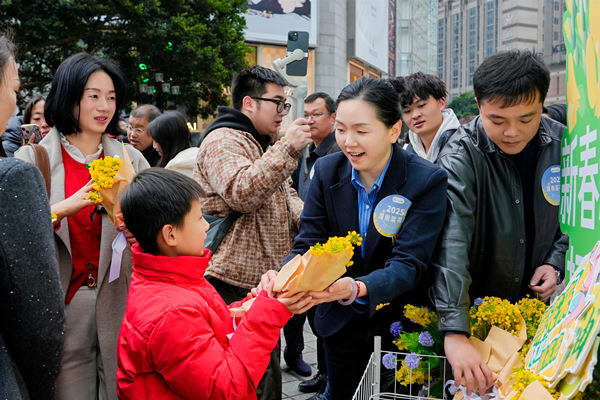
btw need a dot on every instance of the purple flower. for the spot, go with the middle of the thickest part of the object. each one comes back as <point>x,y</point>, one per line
<point>412,361</point>
<point>426,339</point>
<point>478,301</point>
<point>396,328</point>
<point>389,361</point>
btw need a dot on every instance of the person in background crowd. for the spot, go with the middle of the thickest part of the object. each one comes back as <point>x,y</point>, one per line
<point>12,138</point>
<point>502,235</point>
<point>349,192</point>
<point>34,114</point>
<point>430,123</point>
<point>85,96</point>
<point>137,131</point>
<point>32,312</point>
<point>175,341</point>
<point>557,112</point>
<point>238,172</point>
<point>172,140</point>
<point>319,111</point>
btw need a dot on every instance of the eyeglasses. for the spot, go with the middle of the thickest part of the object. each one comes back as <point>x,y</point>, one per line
<point>281,104</point>
<point>139,131</point>
<point>315,115</point>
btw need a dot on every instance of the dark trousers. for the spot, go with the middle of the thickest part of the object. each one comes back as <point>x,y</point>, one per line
<point>270,386</point>
<point>347,352</point>
<point>294,338</point>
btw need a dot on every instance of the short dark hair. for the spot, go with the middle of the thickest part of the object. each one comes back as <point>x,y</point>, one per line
<point>380,93</point>
<point>422,86</point>
<point>171,132</point>
<point>157,197</point>
<point>511,77</point>
<point>147,111</point>
<point>252,82</point>
<point>67,89</point>
<point>29,108</point>
<point>329,102</point>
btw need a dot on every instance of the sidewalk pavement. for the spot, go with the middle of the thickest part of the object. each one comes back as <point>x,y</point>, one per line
<point>291,379</point>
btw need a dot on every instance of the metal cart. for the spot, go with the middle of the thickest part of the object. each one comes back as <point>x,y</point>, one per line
<point>370,385</point>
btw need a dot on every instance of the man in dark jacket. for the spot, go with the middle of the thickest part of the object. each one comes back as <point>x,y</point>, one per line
<point>502,236</point>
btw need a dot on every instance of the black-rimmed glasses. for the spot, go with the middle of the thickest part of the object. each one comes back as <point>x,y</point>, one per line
<point>281,104</point>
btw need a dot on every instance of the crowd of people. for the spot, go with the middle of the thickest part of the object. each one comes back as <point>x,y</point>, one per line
<point>470,218</point>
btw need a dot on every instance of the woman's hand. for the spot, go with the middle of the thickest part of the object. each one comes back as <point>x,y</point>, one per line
<point>340,290</point>
<point>73,204</point>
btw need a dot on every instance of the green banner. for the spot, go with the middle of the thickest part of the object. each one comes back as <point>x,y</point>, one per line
<point>579,205</point>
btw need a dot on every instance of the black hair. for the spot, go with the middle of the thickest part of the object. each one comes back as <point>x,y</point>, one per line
<point>557,112</point>
<point>422,86</point>
<point>147,111</point>
<point>511,78</point>
<point>171,132</point>
<point>380,93</point>
<point>157,197</point>
<point>29,108</point>
<point>7,51</point>
<point>67,89</point>
<point>252,82</point>
<point>329,102</point>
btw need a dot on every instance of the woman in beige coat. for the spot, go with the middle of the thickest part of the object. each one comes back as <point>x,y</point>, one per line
<point>82,105</point>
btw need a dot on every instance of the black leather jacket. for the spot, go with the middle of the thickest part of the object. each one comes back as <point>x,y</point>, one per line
<point>482,248</point>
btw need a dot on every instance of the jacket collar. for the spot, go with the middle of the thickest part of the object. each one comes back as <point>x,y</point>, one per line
<point>180,269</point>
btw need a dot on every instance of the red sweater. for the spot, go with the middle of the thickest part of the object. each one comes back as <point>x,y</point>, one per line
<point>84,234</point>
<point>174,341</point>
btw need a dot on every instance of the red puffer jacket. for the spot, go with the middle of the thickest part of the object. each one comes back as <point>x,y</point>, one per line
<point>174,341</point>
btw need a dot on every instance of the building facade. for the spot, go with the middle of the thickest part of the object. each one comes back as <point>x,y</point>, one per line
<point>470,30</point>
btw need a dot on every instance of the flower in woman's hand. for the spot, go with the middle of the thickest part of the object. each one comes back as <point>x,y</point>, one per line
<point>426,340</point>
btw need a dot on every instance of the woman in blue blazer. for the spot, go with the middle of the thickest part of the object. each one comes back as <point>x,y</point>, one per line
<point>397,201</point>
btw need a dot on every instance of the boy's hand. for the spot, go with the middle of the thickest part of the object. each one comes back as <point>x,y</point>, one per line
<point>297,304</point>
<point>266,283</point>
<point>467,364</point>
<point>298,134</point>
<point>543,282</point>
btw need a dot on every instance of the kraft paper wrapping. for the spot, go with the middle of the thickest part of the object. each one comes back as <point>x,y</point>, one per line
<point>500,351</point>
<point>303,274</point>
<point>311,273</point>
<point>110,197</point>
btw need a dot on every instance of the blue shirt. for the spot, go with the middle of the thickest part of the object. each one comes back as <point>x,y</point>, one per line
<point>366,202</point>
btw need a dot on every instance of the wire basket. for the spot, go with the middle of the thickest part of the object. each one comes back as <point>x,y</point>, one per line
<point>372,386</point>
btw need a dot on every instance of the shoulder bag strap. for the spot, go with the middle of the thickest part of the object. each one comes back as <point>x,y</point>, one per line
<point>43,163</point>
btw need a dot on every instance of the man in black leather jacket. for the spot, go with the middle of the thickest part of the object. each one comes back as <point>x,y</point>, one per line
<point>502,236</point>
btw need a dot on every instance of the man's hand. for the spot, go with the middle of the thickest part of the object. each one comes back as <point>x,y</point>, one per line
<point>543,282</point>
<point>467,364</point>
<point>298,134</point>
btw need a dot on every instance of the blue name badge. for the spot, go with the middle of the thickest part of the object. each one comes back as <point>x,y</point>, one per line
<point>390,213</point>
<point>551,185</point>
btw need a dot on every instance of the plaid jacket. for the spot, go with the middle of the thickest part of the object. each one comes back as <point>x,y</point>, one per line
<point>236,174</point>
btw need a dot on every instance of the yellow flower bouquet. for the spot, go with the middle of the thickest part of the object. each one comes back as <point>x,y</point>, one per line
<point>111,176</point>
<point>314,271</point>
<point>319,267</point>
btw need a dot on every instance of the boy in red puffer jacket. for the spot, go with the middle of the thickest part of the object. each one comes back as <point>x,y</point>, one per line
<point>177,339</point>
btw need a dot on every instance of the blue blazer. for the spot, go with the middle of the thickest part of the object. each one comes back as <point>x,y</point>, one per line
<point>391,268</point>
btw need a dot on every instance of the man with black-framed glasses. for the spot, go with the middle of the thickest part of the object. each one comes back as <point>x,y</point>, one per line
<point>240,170</point>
